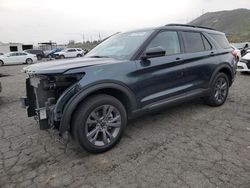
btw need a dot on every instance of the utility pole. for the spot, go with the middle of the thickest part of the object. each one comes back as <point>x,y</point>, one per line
<point>83,38</point>
<point>100,36</point>
<point>203,11</point>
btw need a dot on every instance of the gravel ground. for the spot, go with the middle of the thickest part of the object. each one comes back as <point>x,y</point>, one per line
<point>191,145</point>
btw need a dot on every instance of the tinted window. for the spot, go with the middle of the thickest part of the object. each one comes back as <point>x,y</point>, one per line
<point>168,40</point>
<point>79,49</point>
<point>206,44</point>
<point>193,42</point>
<point>221,40</point>
<point>13,54</point>
<point>71,50</point>
<point>22,54</point>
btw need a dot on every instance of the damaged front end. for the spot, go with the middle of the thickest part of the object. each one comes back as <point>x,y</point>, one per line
<point>47,95</point>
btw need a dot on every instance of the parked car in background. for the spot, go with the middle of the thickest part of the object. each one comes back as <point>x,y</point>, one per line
<point>17,58</point>
<point>243,65</point>
<point>39,53</point>
<point>128,75</point>
<point>241,45</point>
<point>1,53</point>
<point>69,52</point>
<point>51,53</point>
<point>237,53</point>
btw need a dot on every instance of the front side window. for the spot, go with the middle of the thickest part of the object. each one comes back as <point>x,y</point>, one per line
<point>168,40</point>
<point>193,42</point>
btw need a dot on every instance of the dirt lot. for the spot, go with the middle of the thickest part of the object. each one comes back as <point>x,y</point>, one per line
<point>191,145</point>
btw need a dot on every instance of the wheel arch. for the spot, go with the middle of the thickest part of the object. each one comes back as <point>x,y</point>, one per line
<point>119,91</point>
<point>226,69</point>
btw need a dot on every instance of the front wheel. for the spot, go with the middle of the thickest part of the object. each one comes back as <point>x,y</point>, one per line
<point>79,55</point>
<point>39,57</point>
<point>219,90</point>
<point>99,123</point>
<point>1,63</point>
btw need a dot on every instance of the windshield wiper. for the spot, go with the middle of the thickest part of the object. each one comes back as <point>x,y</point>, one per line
<point>98,56</point>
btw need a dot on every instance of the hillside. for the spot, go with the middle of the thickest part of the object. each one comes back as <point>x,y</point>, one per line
<point>235,23</point>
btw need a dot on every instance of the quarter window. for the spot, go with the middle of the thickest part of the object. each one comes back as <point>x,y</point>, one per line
<point>193,42</point>
<point>221,40</point>
<point>167,40</point>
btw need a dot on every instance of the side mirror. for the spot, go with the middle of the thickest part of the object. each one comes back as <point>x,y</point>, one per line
<point>154,52</point>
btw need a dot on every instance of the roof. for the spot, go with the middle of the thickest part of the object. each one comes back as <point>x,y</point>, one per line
<point>184,27</point>
<point>190,28</point>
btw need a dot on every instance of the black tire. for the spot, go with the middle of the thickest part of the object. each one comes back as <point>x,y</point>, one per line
<point>245,73</point>
<point>79,55</point>
<point>49,56</point>
<point>218,93</point>
<point>1,63</point>
<point>84,112</point>
<point>39,57</point>
<point>61,57</point>
<point>29,61</point>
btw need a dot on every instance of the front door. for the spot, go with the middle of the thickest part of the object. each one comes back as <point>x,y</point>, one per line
<point>161,77</point>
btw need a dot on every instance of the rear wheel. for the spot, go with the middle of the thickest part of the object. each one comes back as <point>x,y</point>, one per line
<point>99,122</point>
<point>61,57</point>
<point>219,90</point>
<point>29,61</point>
<point>1,63</point>
<point>79,55</point>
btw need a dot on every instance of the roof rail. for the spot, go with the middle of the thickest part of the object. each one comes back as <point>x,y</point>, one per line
<point>187,25</point>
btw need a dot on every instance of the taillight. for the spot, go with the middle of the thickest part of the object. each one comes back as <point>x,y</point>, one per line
<point>234,53</point>
<point>236,59</point>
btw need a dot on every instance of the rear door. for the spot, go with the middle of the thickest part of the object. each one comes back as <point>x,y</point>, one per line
<point>199,60</point>
<point>161,77</point>
<point>71,53</point>
<point>22,57</point>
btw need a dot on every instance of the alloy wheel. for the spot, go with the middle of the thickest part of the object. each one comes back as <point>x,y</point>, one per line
<point>103,125</point>
<point>221,89</point>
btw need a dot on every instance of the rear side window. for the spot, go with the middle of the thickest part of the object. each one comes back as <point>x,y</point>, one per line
<point>221,40</point>
<point>71,50</point>
<point>206,44</point>
<point>193,42</point>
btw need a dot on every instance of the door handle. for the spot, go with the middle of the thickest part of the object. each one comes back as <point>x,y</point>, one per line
<point>178,60</point>
<point>211,53</point>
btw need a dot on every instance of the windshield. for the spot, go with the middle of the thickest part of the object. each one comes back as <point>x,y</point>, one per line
<point>120,46</point>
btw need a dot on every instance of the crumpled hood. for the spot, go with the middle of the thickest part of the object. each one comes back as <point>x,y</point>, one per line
<point>60,66</point>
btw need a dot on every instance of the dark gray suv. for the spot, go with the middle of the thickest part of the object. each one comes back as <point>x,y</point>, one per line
<point>128,75</point>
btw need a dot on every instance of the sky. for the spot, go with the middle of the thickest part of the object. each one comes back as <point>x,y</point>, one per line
<point>33,21</point>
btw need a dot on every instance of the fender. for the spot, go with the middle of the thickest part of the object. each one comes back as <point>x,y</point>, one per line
<point>78,97</point>
<point>218,69</point>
